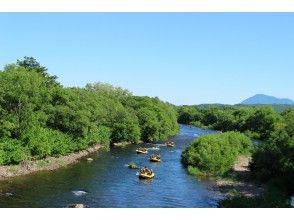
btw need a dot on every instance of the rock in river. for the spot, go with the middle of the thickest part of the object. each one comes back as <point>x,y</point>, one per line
<point>79,193</point>
<point>76,206</point>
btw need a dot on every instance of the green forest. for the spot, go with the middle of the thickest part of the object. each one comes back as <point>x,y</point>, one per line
<point>39,117</point>
<point>262,131</point>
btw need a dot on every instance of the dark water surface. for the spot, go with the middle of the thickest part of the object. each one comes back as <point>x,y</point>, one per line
<point>109,183</point>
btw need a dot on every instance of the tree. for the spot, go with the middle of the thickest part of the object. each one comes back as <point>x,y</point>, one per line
<point>149,124</point>
<point>41,118</point>
<point>263,121</point>
<point>24,98</point>
<point>109,90</point>
<point>274,160</point>
<point>189,114</point>
<point>158,120</point>
<point>31,63</point>
<point>288,117</point>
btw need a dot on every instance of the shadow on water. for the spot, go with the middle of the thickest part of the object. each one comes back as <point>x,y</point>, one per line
<point>107,182</point>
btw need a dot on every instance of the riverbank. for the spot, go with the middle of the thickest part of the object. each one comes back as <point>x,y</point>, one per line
<point>47,164</point>
<point>240,190</point>
<point>238,181</point>
<point>107,178</point>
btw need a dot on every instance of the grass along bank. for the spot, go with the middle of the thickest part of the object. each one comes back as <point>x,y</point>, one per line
<point>49,164</point>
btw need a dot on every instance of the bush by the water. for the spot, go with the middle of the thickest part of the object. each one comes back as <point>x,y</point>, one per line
<point>39,117</point>
<point>216,154</point>
<point>11,151</point>
<point>274,160</point>
<point>273,198</point>
<point>255,121</point>
<point>257,202</point>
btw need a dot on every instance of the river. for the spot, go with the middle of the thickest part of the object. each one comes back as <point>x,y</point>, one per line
<point>107,182</point>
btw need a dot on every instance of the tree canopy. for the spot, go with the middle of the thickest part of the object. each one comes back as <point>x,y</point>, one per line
<point>255,121</point>
<point>216,153</point>
<point>39,117</point>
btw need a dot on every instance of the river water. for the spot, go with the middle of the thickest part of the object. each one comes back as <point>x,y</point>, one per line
<point>107,182</point>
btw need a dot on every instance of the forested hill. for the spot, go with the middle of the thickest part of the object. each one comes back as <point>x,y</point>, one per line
<point>277,107</point>
<point>39,117</point>
<point>266,100</point>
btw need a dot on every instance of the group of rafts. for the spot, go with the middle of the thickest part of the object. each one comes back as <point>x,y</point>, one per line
<point>146,173</point>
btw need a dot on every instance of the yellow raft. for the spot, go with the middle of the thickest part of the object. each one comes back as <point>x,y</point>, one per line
<point>142,150</point>
<point>170,144</point>
<point>155,158</point>
<point>146,173</point>
<point>146,176</point>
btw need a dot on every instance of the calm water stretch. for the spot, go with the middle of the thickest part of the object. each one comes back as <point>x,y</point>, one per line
<point>107,182</point>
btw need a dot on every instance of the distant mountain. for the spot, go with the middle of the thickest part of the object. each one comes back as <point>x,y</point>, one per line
<point>265,99</point>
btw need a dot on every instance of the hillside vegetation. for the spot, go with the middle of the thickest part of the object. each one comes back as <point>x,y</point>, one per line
<point>272,158</point>
<point>39,117</point>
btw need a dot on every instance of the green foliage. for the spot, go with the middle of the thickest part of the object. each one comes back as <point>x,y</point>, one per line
<point>256,202</point>
<point>216,153</point>
<point>149,124</point>
<point>157,120</point>
<point>198,124</point>
<point>49,119</point>
<point>11,151</point>
<point>125,128</point>
<point>109,90</point>
<point>263,122</point>
<point>275,158</point>
<point>257,122</point>
<point>98,135</point>
<point>24,97</point>
<point>194,171</point>
<point>188,115</point>
<point>277,107</point>
<point>288,116</point>
<point>274,198</point>
<point>31,64</point>
<point>43,142</point>
<point>272,159</point>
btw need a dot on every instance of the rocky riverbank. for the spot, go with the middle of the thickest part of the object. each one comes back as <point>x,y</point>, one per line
<point>238,181</point>
<point>49,164</point>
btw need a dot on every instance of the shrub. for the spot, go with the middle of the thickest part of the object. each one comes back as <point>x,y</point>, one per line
<point>216,153</point>
<point>275,160</point>
<point>99,135</point>
<point>11,152</point>
<point>43,142</point>
<point>274,198</point>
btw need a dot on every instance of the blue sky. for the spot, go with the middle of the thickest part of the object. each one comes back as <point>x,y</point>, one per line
<point>183,58</point>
